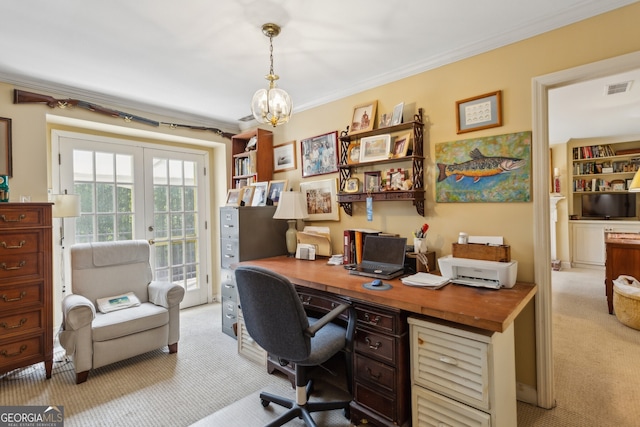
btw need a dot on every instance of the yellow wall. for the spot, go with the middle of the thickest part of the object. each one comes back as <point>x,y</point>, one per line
<point>509,69</point>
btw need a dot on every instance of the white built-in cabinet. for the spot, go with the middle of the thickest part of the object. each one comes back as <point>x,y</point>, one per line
<point>462,376</point>
<point>587,240</point>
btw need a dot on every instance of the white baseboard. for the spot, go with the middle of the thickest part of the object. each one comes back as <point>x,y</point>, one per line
<point>527,394</point>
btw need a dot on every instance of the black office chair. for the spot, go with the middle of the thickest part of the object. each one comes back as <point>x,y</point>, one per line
<point>275,318</point>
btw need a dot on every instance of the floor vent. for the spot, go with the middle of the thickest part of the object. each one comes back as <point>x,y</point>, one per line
<point>618,88</point>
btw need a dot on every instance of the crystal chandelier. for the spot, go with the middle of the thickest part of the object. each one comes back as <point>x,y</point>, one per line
<point>272,105</point>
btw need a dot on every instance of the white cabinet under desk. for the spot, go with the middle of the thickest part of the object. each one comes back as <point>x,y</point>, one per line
<point>462,375</point>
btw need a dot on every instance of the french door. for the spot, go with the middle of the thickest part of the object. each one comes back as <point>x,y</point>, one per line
<point>132,190</point>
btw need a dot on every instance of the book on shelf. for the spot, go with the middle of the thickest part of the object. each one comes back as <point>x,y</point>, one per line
<point>354,242</point>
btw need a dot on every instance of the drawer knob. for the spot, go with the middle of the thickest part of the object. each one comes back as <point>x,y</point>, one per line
<point>18,246</point>
<point>22,295</point>
<point>374,321</point>
<point>6,326</point>
<point>4,353</point>
<point>372,346</point>
<point>17,267</point>
<point>19,219</point>
<point>448,360</point>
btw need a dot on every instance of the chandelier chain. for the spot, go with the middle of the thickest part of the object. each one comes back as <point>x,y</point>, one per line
<point>271,54</point>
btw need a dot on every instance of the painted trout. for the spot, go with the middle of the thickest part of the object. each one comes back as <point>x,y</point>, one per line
<point>479,167</point>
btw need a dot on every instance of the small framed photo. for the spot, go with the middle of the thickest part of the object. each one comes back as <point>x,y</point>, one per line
<point>321,197</point>
<point>319,154</point>
<point>372,181</point>
<point>260,190</point>
<point>401,145</point>
<point>479,112</point>
<point>374,148</point>
<point>353,153</point>
<point>363,117</point>
<point>234,196</point>
<point>352,185</point>
<point>275,189</point>
<point>5,147</point>
<point>395,179</point>
<point>284,157</point>
<point>618,185</point>
<point>385,120</point>
<point>396,119</point>
<point>247,195</point>
<point>628,182</point>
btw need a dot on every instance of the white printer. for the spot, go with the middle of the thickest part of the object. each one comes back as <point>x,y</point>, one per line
<point>480,273</point>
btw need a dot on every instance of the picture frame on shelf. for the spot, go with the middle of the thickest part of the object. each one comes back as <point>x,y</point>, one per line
<point>352,185</point>
<point>628,182</point>
<point>479,112</point>
<point>395,179</point>
<point>353,153</point>
<point>284,157</point>
<point>259,197</point>
<point>321,198</point>
<point>401,145</point>
<point>396,119</point>
<point>276,188</point>
<point>319,154</point>
<point>384,120</point>
<point>373,148</point>
<point>234,196</point>
<point>363,117</point>
<point>372,181</point>
<point>247,195</point>
<point>618,185</point>
<point>6,166</point>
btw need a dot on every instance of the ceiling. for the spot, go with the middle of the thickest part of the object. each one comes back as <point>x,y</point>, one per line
<point>202,60</point>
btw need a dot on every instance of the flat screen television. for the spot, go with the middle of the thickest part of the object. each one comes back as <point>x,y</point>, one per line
<point>609,205</point>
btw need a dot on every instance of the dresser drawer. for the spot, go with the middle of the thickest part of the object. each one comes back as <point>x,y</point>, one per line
<point>20,242</point>
<point>377,373</point>
<point>12,297</point>
<point>17,323</point>
<point>21,266</point>
<point>375,400</point>
<point>19,351</point>
<point>230,254</point>
<point>23,215</point>
<point>432,409</point>
<point>379,346</point>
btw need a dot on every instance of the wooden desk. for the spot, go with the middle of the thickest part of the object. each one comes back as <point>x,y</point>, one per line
<point>623,257</point>
<point>382,369</point>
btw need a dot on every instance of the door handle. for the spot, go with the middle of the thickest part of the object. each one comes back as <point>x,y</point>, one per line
<point>152,241</point>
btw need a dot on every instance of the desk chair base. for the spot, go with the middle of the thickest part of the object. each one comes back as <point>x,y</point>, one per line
<point>301,410</point>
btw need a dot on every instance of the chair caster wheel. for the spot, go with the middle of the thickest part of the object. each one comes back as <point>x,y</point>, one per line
<point>264,402</point>
<point>347,413</point>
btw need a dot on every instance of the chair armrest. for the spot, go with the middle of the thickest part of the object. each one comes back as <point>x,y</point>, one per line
<point>77,311</point>
<point>327,318</point>
<point>165,294</point>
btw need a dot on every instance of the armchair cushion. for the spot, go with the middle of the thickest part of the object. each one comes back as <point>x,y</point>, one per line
<point>117,302</point>
<point>127,322</point>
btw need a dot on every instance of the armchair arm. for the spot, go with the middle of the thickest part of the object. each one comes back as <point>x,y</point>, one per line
<point>330,316</point>
<point>165,294</point>
<point>77,312</point>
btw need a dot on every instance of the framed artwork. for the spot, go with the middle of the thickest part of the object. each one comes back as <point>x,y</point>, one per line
<point>353,153</point>
<point>396,119</point>
<point>319,154</point>
<point>363,117</point>
<point>372,181</point>
<point>6,167</point>
<point>618,185</point>
<point>395,179</point>
<point>479,112</point>
<point>284,157</point>
<point>321,197</point>
<point>234,196</point>
<point>275,189</point>
<point>401,145</point>
<point>374,148</point>
<point>489,169</point>
<point>384,120</point>
<point>259,197</point>
<point>352,185</point>
<point>247,195</point>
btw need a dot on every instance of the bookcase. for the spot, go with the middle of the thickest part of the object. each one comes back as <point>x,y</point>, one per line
<point>252,157</point>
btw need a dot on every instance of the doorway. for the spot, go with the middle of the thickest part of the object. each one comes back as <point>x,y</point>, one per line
<point>542,254</point>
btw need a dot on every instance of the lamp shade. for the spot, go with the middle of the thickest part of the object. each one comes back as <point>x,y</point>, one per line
<point>291,206</point>
<point>635,183</point>
<point>66,206</point>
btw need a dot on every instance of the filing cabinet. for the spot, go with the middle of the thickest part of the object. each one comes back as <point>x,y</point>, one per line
<point>246,233</point>
<point>26,296</point>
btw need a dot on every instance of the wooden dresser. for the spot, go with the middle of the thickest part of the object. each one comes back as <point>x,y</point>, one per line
<point>26,297</point>
<point>622,257</point>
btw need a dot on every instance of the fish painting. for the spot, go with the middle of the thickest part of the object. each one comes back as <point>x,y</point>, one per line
<point>479,167</point>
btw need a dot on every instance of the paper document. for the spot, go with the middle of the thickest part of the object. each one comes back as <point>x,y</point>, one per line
<point>425,280</point>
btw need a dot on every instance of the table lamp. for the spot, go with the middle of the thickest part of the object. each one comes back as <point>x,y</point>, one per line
<point>291,207</point>
<point>635,183</point>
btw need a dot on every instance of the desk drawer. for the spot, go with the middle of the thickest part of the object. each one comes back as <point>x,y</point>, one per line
<point>17,323</point>
<point>20,242</point>
<point>375,400</point>
<point>12,297</point>
<point>378,346</point>
<point>374,372</point>
<point>21,266</point>
<point>378,320</point>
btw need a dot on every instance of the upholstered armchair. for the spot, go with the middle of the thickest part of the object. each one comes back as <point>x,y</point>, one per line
<point>116,310</point>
